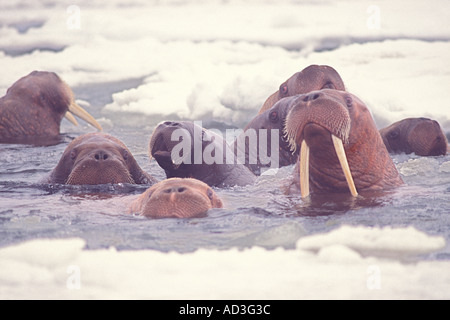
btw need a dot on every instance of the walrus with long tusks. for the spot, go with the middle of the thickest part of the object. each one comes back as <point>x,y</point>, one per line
<point>33,107</point>
<point>341,150</point>
<point>95,159</point>
<point>176,198</point>
<point>421,136</point>
<point>312,78</point>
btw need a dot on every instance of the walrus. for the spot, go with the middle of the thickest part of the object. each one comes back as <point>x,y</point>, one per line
<point>34,106</point>
<point>272,144</point>
<point>186,150</point>
<point>341,149</point>
<point>421,136</point>
<point>97,158</point>
<point>176,198</point>
<point>312,78</point>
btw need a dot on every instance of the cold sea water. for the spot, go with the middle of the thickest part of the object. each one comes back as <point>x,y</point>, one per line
<point>256,215</point>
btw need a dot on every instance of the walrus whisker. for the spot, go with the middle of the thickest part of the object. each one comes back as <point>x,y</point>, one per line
<point>339,147</point>
<point>304,169</point>
<point>289,136</point>
<point>78,111</point>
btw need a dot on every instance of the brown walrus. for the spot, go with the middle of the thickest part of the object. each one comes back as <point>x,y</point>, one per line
<point>97,158</point>
<point>33,107</point>
<point>341,148</point>
<point>312,78</point>
<point>176,198</point>
<point>421,136</point>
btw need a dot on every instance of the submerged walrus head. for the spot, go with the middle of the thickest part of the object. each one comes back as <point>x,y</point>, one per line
<point>176,198</point>
<point>98,158</point>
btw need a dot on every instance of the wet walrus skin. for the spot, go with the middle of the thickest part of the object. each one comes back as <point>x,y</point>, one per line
<point>33,107</point>
<point>421,136</point>
<point>326,123</point>
<point>95,159</point>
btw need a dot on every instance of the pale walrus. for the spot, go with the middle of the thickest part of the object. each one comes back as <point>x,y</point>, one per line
<point>312,78</point>
<point>33,107</point>
<point>421,136</point>
<point>341,148</point>
<point>176,198</point>
<point>98,158</point>
<point>186,150</point>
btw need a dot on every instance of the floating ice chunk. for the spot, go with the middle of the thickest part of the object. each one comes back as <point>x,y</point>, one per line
<point>43,252</point>
<point>380,242</point>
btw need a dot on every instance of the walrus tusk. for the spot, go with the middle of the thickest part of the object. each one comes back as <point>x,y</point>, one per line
<point>339,147</point>
<point>304,167</point>
<point>71,118</point>
<point>304,170</point>
<point>83,114</point>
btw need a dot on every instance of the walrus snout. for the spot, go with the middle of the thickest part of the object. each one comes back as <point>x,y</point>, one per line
<point>101,155</point>
<point>312,96</point>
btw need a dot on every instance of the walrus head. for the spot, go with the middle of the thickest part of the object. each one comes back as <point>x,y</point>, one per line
<point>98,158</point>
<point>421,136</point>
<point>43,97</point>
<point>340,147</point>
<point>176,198</point>
<point>271,119</point>
<point>312,78</point>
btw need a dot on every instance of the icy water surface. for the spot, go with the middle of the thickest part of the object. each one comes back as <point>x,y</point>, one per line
<point>255,215</point>
<point>136,61</point>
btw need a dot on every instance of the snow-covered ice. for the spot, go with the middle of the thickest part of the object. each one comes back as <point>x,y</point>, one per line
<point>220,60</point>
<point>350,263</point>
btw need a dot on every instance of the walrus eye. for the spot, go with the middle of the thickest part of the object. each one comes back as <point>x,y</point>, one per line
<point>125,155</point>
<point>284,89</point>
<point>393,134</point>
<point>328,85</point>
<point>73,155</point>
<point>43,99</point>
<point>210,194</point>
<point>273,116</point>
<point>349,101</point>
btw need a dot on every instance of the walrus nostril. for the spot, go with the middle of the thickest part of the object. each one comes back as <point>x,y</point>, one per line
<point>311,97</point>
<point>175,190</point>
<point>171,123</point>
<point>100,155</point>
